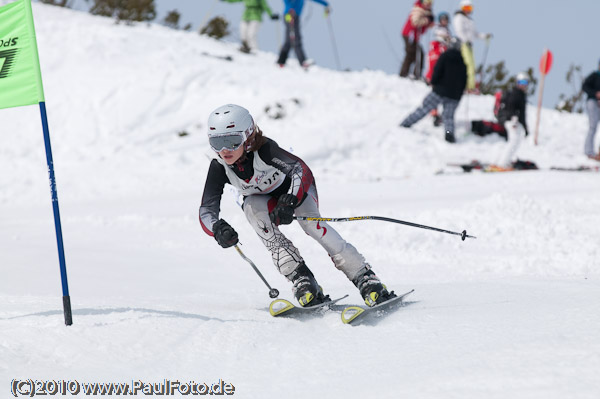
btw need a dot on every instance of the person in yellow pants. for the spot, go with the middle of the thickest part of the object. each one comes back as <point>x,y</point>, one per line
<point>465,31</point>
<point>466,49</point>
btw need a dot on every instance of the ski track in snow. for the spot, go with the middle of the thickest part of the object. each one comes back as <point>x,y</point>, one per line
<point>512,313</point>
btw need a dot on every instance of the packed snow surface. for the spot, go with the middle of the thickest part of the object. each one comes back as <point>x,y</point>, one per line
<point>511,314</point>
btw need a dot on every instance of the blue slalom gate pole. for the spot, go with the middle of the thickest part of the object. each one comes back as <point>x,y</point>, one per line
<point>57,226</point>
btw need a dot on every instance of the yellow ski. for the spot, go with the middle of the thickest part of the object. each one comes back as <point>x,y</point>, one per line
<point>282,307</point>
<point>355,315</point>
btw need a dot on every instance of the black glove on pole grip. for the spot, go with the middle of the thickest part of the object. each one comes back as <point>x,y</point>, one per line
<point>225,235</point>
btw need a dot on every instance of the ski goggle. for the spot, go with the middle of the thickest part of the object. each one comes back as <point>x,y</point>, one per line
<point>523,82</point>
<point>467,9</point>
<point>230,142</point>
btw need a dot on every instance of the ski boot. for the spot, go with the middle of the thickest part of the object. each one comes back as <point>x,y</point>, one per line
<point>449,137</point>
<point>306,290</point>
<point>245,48</point>
<point>371,289</point>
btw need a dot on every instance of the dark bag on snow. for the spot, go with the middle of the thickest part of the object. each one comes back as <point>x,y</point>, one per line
<point>483,128</point>
<point>524,165</point>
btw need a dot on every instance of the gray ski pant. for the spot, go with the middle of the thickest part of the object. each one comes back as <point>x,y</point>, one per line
<point>286,256</point>
<point>593,110</point>
<point>430,102</point>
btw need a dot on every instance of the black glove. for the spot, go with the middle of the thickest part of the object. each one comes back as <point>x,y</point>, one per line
<point>275,17</point>
<point>284,210</point>
<point>225,235</point>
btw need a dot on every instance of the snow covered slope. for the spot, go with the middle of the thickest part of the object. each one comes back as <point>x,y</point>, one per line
<point>510,314</point>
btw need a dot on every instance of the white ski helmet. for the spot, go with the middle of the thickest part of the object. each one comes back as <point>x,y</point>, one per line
<point>229,126</point>
<point>468,4</point>
<point>522,79</point>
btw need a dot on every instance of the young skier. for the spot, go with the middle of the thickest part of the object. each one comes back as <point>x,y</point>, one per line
<point>276,185</point>
<point>251,21</point>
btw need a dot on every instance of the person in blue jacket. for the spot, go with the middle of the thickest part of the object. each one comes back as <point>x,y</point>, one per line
<point>293,37</point>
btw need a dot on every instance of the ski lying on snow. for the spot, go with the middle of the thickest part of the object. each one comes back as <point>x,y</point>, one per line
<point>470,167</point>
<point>220,57</point>
<point>489,168</point>
<point>283,307</point>
<point>577,169</point>
<point>356,315</point>
<point>486,167</point>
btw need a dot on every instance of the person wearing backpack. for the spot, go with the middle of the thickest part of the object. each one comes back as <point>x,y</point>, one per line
<point>591,87</point>
<point>512,114</point>
<point>483,127</point>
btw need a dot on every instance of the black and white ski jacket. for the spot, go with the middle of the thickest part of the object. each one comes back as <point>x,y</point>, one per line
<point>269,171</point>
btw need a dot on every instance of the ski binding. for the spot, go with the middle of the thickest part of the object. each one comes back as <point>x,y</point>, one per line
<point>283,307</point>
<point>357,314</point>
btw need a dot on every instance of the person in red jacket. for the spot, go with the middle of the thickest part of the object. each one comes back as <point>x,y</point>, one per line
<point>419,19</point>
<point>439,44</point>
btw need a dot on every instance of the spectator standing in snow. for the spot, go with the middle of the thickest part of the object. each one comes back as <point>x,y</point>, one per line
<point>591,87</point>
<point>419,19</point>
<point>251,20</point>
<point>512,115</point>
<point>464,29</point>
<point>438,45</point>
<point>293,37</point>
<point>448,80</point>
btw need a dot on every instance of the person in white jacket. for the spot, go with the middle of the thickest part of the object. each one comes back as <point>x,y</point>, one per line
<point>466,32</point>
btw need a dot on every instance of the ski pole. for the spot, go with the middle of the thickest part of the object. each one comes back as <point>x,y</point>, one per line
<point>390,45</point>
<point>278,27</point>
<point>273,292</point>
<point>485,53</point>
<point>335,50</point>
<point>462,235</point>
<point>418,65</point>
<point>208,14</point>
<point>289,18</point>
